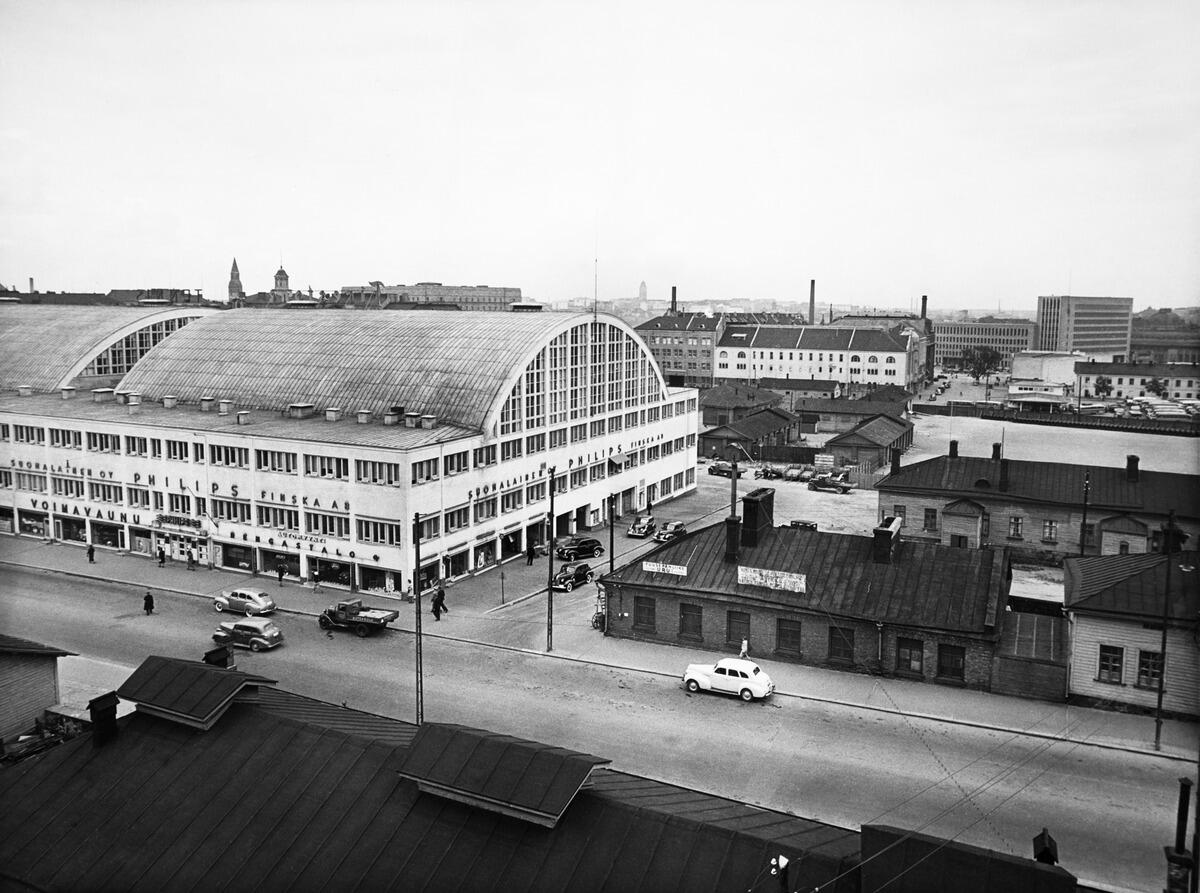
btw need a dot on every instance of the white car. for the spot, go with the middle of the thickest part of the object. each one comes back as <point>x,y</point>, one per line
<point>731,676</point>
<point>244,601</point>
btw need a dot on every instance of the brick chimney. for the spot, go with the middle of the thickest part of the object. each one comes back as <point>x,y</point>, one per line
<point>221,656</point>
<point>1003,474</point>
<point>103,713</point>
<point>812,302</point>
<point>758,515</point>
<point>954,449</point>
<point>886,537</point>
<point>895,460</point>
<point>733,532</point>
<point>1131,469</point>
<point>924,306</point>
<point>996,451</point>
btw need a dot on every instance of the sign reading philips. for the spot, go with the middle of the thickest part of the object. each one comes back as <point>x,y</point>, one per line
<point>757,576</point>
<point>655,567</point>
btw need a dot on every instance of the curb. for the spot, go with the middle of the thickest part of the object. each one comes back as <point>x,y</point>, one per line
<point>927,717</point>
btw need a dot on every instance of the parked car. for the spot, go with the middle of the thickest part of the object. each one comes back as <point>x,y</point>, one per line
<point>579,546</point>
<point>769,472</point>
<point>830,485</point>
<point>244,601</point>
<point>723,468</point>
<point>669,531</point>
<point>569,576</point>
<point>643,525</point>
<point>731,676</point>
<point>803,525</point>
<point>255,633</point>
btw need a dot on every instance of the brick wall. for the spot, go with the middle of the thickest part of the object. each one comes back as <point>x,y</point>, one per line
<point>814,635</point>
<point>28,685</point>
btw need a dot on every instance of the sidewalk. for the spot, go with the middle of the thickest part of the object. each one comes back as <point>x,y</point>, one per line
<point>478,615</point>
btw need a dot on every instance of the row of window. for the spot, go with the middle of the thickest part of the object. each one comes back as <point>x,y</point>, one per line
<point>1111,666</point>
<point>910,653</point>
<point>791,357</point>
<point>1016,525</point>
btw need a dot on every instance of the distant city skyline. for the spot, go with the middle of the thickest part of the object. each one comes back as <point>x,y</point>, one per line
<point>983,154</point>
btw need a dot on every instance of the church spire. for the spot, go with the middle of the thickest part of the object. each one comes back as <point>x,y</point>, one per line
<point>235,283</point>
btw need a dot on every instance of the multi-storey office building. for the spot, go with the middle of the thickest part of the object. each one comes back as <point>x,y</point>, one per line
<point>1099,326</point>
<point>683,344</point>
<point>1007,337</point>
<point>257,439</point>
<point>1181,381</point>
<point>850,356</point>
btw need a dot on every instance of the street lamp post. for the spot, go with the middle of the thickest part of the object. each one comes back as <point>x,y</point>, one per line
<point>416,528</point>
<point>1168,543</point>
<point>550,569</point>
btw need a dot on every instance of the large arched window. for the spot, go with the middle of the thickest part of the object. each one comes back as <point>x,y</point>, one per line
<point>855,358</point>
<point>741,355</point>
<point>723,355</point>
<point>891,359</point>
<point>872,359</point>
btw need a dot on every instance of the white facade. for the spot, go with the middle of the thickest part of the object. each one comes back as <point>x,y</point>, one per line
<point>845,364</point>
<point>337,493</point>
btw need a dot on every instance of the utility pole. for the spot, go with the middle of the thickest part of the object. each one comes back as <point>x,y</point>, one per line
<point>550,570</point>
<point>1087,489</point>
<point>612,526</point>
<point>1168,543</point>
<point>417,601</point>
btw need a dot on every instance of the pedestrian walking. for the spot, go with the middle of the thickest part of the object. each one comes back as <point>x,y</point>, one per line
<point>91,553</point>
<point>745,652</point>
<point>316,580</point>
<point>439,604</point>
<point>162,556</point>
<point>191,560</point>
<point>148,603</point>
<point>530,554</point>
<point>280,570</point>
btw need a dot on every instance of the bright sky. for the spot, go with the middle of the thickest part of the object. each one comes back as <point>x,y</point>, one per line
<point>982,153</point>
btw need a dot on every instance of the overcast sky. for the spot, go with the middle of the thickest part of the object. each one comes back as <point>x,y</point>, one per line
<point>982,153</point>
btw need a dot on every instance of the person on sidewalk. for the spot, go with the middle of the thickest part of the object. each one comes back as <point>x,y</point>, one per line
<point>317,580</point>
<point>148,603</point>
<point>280,570</point>
<point>439,604</point>
<point>745,652</point>
<point>91,553</point>
<point>162,556</point>
<point>530,554</point>
<point>191,560</point>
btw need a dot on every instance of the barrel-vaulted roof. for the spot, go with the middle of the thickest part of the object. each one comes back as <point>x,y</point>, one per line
<point>452,365</point>
<point>46,347</point>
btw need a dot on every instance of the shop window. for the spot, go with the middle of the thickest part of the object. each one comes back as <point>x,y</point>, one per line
<point>737,627</point>
<point>1150,667</point>
<point>841,644</point>
<point>910,656</point>
<point>952,661</point>
<point>691,622</point>
<point>1112,658</point>
<point>787,637</point>
<point>643,613</point>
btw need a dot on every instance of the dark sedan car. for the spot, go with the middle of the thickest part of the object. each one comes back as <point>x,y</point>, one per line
<point>255,633</point>
<point>578,547</point>
<point>571,575</point>
<point>669,531</point>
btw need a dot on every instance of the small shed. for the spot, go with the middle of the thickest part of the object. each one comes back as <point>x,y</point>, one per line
<point>28,682</point>
<point>871,441</point>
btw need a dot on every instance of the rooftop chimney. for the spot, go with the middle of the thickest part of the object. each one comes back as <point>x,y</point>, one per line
<point>758,513</point>
<point>886,537</point>
<point>31,285</point>
<point>333,413</point>
<point>996,451</point>
<point>895,460</point>
<point>812,302</point>
<point>223,407</point>
<point>300,410</point>
<point>221,656</point>
<point>170,401</point>
<point>68,393</point>
<point>103,713</point>
<point>103,395</point>
<point>1003,474</point>
<point>134,402</point>
<point>428,421</point>
<point>243,417</point>
<point>391,417</point>
<point>206,403</point>
<point>412,419</point>
<point>363,416</point>
<point>954,449</point>
<point>674,306</point>
<point>924,306</point>
<point>25,390</point>
<point>733,528</point>
<point>1131,469</point>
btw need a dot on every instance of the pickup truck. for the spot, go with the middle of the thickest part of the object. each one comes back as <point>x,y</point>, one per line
<point>352,615</point>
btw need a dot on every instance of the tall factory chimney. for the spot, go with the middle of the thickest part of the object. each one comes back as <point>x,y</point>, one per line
<point>674,308</point>
<point>812,302</point>
<point>31,285</point>
<point>924,306</point>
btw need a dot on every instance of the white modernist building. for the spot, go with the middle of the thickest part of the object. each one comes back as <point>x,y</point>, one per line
<point>312,442</point>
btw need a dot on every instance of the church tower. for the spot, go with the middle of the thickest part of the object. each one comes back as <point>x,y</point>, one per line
<point>235,283</point>
<point>281,289</point>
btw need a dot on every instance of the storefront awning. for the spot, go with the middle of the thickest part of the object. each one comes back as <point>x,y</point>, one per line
<point>618,458</point>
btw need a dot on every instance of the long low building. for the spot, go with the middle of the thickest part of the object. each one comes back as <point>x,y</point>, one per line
<point>326,444</point>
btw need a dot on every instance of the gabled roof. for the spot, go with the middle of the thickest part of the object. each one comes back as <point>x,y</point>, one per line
<point>681,322</point>
<point>270,800</point>
<point>755,425</point>
<point>195,694</point>
<point>927,585</point>
<point>850,407</point>
<point>499,773</point>
<point>1134,586</point>
<point>889,393</point>
<point>14,645</point>
<point>811,338</point>
<point>799,384</point>
<point>726,396</point>
<point>1057,483</point>
<point>878,430</point>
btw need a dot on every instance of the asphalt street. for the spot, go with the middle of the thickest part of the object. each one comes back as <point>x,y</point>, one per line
<point>1110,811</point>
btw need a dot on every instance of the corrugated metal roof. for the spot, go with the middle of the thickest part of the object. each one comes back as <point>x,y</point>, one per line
<point>452,365</point>
<point>45,347</point>
<point>14,645</point>
<point>1134,586</point>
<point>1050,482</point>
<point>513,776</point>
<point>368,726</point>
<point>927,585</point>
<point>194,693</point>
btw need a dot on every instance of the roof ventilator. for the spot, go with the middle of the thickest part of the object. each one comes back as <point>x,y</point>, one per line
<point>206,403</point>
<point>300,410</point>
<point>333,413</point>
<point>391,418</point>
<point>363,416</point>
<point>25,390</point>
<point>68,393</point>
<point>103,395</point>
<point>134,402</point>
<point>223,407</point>
<point>170,401</point>
<point>243,417</point>
<point>428,421</point>
<point>412,419</point>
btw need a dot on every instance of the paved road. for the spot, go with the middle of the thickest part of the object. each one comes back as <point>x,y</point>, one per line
<point>1110,811</point>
